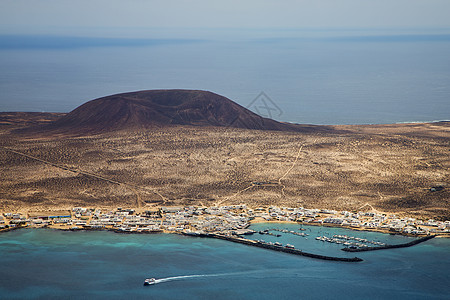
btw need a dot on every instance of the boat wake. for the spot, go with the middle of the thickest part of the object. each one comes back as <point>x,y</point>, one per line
<point>168,279</point>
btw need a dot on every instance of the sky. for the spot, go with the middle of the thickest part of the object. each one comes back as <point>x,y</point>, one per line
<point>288,48</point>
<point>132,17</point>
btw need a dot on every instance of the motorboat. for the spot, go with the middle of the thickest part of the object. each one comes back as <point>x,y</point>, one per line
<point>149,281</point>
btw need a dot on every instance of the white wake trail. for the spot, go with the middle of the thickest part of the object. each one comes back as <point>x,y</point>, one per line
<point>161,280</point>
<point>167,279</point>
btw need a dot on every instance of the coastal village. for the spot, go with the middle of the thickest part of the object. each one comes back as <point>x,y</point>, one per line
<point>224,220</point>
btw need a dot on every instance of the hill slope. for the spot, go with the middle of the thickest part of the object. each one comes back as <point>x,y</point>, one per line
<point>152,108</point>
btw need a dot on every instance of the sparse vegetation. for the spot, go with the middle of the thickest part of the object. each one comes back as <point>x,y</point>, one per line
<point>390,167</point>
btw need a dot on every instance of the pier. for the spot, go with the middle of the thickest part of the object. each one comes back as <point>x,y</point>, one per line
<point>412,243</point>
<point>278,248</point>
<point>290,232</point>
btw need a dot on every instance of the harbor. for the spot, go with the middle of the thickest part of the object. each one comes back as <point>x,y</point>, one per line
<point>350,241</point>
<point>383,247</point>
<point>234,223</point>
<point>279,247</point>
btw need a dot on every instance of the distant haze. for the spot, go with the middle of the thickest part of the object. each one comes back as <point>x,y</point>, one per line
<point>321,62</point>
<point>100,16</point>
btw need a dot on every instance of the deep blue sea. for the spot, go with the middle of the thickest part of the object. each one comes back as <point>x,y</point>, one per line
<point>316,77</point>
<point>50,264</point>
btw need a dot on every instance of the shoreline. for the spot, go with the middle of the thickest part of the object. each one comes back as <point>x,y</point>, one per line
<point>202,219</point>
<point>255,243</point>
<point>66,228</point>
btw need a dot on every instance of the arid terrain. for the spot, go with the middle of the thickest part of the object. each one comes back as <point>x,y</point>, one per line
<point>187,147</point>
<point>382,167</point>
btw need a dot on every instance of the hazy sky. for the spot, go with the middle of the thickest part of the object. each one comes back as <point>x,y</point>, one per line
<point>97,16</point>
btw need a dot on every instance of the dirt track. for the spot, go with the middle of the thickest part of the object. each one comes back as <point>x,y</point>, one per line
<point>387,167</point>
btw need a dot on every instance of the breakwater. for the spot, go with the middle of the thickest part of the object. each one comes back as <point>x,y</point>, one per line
<point>412,243</point>
<point>278,248</point>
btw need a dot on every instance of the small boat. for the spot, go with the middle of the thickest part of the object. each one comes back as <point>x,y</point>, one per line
<point>149,281</point>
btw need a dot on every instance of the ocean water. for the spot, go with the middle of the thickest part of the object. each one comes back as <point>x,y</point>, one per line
<point>330,77</point>
<point>49,264</point>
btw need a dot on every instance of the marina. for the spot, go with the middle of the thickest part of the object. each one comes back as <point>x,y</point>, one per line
<point>383,247</point>
<point>230,223</point>
<point>349,241</point>
<point>279,247</point>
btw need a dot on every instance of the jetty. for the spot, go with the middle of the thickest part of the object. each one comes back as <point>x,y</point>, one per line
<point>277,247</point>
<point>412,243</point>
<point>289,232</point>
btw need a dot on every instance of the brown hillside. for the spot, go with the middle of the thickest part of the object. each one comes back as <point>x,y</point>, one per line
<point>157,108</point>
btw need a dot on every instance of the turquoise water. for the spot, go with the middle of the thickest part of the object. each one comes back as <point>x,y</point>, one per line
<point>79,265</point>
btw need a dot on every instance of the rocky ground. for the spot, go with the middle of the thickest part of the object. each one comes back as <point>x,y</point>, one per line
<point>380,167</point>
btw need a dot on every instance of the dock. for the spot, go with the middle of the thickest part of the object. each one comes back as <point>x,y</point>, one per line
<point>278,248</point>
<point>412,243</point>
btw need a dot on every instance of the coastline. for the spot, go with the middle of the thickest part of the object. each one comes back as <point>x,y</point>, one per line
<point>236,238</point>
<point>317,220</point>
<point>68,228</point>
<point>237,233</point>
